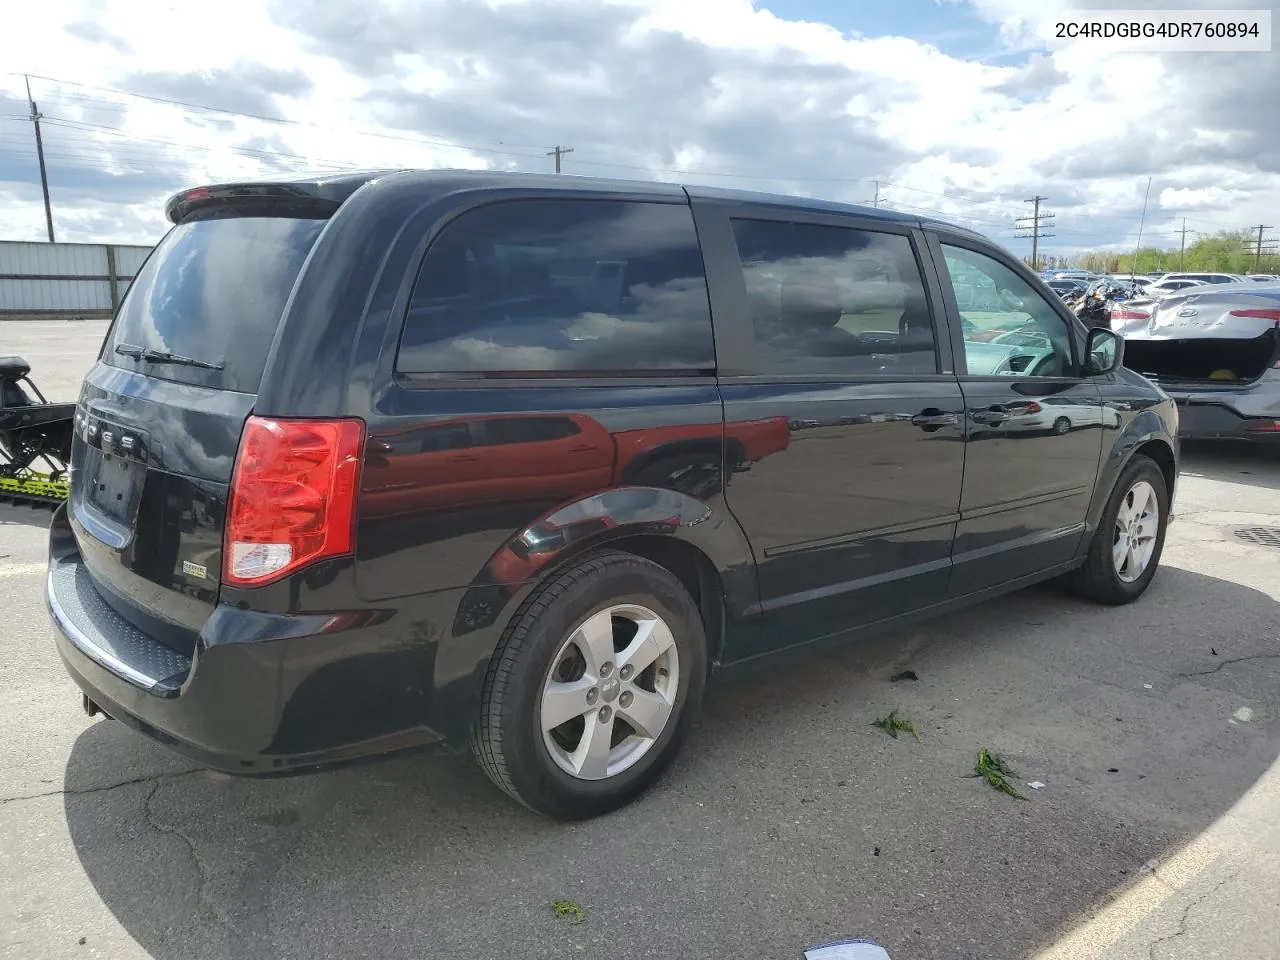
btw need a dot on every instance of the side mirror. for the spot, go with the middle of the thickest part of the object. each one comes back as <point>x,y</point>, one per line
<point>1103,351</point>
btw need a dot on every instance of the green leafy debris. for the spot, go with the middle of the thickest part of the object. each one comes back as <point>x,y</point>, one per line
<point>892,724</point>
<point>996,771</point>
<point>568,910</point>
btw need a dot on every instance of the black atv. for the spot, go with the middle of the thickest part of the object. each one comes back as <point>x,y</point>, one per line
<point>35,438</point>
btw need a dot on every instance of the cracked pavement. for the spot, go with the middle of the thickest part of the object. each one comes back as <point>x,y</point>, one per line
<point>788,820</point>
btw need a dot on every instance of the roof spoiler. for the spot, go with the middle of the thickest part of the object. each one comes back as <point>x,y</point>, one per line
<point>292,197</point>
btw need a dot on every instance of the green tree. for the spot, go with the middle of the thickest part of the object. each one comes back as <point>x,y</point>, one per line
<point>1228,251</point>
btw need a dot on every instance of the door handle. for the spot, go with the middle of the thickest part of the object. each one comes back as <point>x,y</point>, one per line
<point>989,417</point>
<point>933,419</point>
<point>463,458</point>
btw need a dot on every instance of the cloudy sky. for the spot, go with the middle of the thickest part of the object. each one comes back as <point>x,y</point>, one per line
<point>957,107</point>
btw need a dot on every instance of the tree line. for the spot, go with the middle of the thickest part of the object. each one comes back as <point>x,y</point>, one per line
<point>1230,251</point>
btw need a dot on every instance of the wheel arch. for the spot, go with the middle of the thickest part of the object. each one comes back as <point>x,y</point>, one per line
<point>700,543</point>
<point>1162,453</point>
<point>1144,436</point>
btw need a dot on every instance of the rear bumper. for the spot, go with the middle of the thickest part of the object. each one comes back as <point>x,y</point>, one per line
<point>264,706</point>
<point>1249,412</point>
<point>1214,420</point>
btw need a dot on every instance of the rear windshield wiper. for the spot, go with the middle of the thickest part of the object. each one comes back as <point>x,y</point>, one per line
<point>160,356</point>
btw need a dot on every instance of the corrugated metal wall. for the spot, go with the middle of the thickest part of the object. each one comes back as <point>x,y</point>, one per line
<point>64,279</point>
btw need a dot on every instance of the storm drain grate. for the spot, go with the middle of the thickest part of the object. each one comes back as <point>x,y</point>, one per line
<point>1263,536</point>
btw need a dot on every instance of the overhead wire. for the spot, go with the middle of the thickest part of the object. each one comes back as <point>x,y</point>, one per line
<point>1002,213</point>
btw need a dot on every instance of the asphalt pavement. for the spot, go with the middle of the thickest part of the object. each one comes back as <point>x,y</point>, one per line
<point>788,820</point>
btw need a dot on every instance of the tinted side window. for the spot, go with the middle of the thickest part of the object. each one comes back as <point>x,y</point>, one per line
<point>1009,328</point>
<point>575,286</point>
<point>834,299</point>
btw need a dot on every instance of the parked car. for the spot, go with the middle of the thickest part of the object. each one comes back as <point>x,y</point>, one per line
<point>1066,288</point>
<point>1069,274</point>
<point>1205,277</point>
<point>381,461</point>
<point>1215,349</point>
<point>1264,278</point>
<point>1171,286</point>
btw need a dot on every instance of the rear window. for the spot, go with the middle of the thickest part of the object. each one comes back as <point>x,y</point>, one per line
<point>561,287</point>
<point>213,291</point>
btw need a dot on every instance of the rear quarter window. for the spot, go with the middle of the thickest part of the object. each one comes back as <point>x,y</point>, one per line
<point>214,291</point>
<point>561,287</point>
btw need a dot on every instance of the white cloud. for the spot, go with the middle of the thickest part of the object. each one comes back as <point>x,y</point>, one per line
<point>662,88</point>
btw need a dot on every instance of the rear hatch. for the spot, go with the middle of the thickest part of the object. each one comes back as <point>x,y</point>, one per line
<point>1203,339</point>
<point>160,415</point>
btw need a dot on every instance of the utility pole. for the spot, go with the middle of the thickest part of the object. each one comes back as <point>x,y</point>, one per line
<point>1261,246</point>
<point>1037,223</point>
<point>558,152</point>
<point>44,177</point>
<point>876,202</point>
<point>1182,249</point>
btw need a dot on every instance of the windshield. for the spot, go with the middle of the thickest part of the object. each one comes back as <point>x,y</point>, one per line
<point>211,295</point>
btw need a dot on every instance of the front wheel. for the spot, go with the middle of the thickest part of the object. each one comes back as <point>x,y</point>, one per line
<point>1127,544</point>
<point>1061,425</point>
<point>593,687</point>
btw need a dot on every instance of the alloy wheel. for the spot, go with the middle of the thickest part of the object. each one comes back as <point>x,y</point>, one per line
<point>610,692</point>
<point>1137,525</point>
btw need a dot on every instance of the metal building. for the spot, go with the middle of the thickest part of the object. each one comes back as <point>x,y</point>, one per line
<point>65,279</point>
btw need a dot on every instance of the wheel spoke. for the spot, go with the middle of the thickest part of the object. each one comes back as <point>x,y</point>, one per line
<point>1143,510</point>
<point>1120,551</point>
<point>647,712</point>
<point>595,640</point>
<point>591,757</point>
<point>562,702</point>
<point>1127,507</point>
<point>651,641</point>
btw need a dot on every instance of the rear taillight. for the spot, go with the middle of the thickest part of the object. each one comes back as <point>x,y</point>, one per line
<point>1123,313</point>
<point>1033,407</point>
<point>1262,426</point>
<point>1273,315</point>
<point>293,495</point>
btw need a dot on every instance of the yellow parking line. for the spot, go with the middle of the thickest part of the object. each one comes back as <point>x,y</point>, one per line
<point>21,569</point>
<point>1121,917</point>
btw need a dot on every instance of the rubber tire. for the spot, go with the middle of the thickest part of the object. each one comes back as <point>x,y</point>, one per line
<point>1097,580</point>
<point>507,738</point>
<point>1065,430</point>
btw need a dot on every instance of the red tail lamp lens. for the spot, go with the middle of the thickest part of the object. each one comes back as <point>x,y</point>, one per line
<point>293,497</point>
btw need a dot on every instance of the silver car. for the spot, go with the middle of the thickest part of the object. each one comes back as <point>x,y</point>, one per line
<point>1214,349</point>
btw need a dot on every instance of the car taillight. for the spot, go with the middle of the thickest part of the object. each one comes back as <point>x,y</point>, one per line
<point>293,496</point>
<point>1263,426</point>
<point>1273,315</point>
<point>1122,313</point>
<point>1033,407</point>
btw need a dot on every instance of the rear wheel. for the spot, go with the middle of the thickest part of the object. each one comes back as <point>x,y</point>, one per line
<point>1127,544</point>
<point>592,688</point>
<point>1061,425</point>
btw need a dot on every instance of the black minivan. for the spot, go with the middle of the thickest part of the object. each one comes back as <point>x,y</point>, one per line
<point>378,461</point>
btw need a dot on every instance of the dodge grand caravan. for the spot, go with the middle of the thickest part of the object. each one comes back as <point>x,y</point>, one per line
<point>380,461</point>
